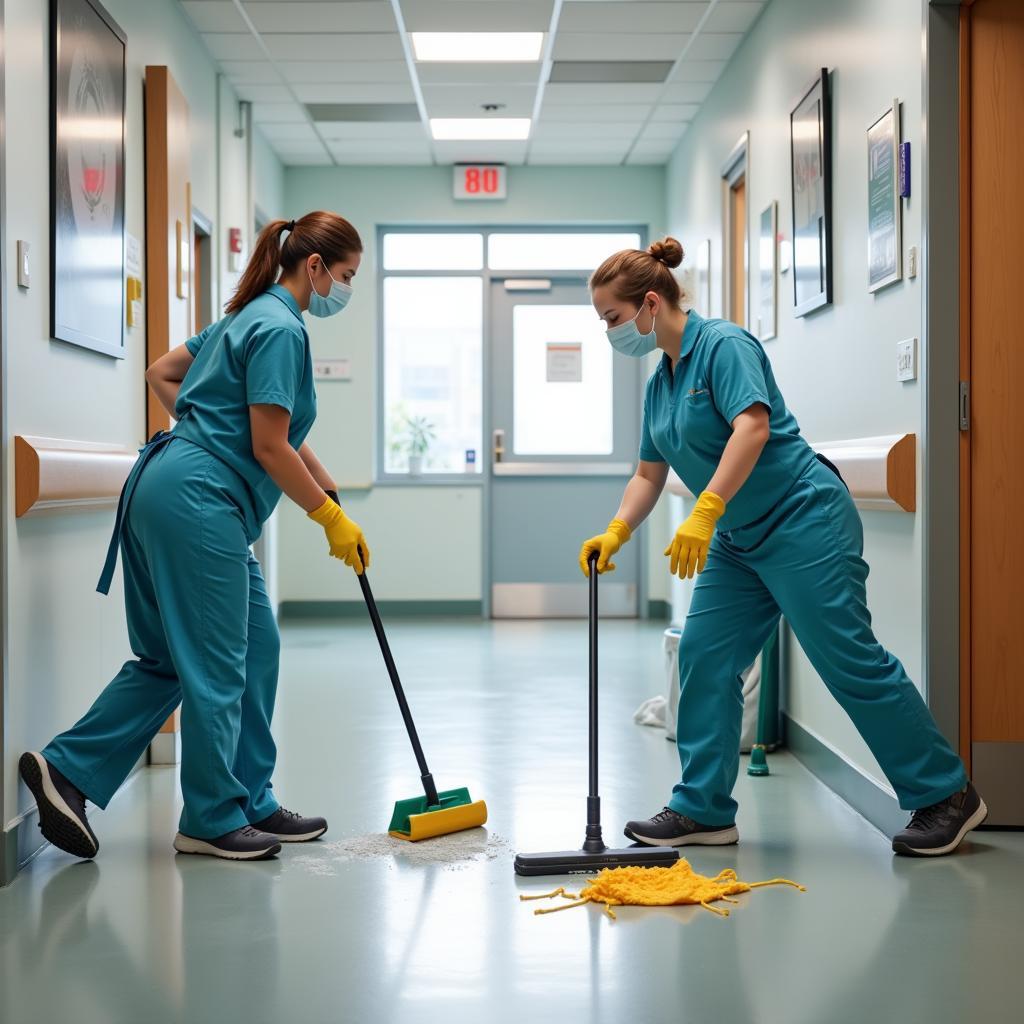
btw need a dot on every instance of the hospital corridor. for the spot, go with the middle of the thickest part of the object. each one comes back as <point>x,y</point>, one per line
<point>510,511</point>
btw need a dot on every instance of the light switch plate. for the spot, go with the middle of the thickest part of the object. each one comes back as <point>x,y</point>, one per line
<point>332,369</point>
<point>906,359</point>
<point>24,277</point>
<point>912,262</point>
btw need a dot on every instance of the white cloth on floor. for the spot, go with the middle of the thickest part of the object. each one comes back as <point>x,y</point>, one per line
<point>652,712</point>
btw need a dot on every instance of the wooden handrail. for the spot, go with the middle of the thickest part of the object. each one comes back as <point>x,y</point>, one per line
<point>54,474</point>
<point>881,472</point>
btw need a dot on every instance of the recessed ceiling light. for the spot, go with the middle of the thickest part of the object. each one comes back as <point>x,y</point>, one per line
<point>449,129</point>
<point>479,47</point>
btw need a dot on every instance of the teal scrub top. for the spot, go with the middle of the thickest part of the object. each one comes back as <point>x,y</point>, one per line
<point>257,356</point>
<point>722,371</point>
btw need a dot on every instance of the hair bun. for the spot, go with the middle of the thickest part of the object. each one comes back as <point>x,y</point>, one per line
<point>667,251</point>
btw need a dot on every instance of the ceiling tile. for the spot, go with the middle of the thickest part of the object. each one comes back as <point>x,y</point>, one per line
<point>302,72</point>
<point>675,112</point>
<point>513,73</point>
<point>379,146</point>
<point>729,16</point>
<point>278,113</point>
<point>289,133</point>
<point>584,95</point>
<point>686,92</point>
<point>615,148</point>
<point>715,45</point>
<point>630,17</point>
<point>334,46</point>
<point>622,46</point>
<point>301,159</point>
<point>250,72</point>
<point>595,71</point>
<point>373,158</point>
<point>392,131</point>
<point>480,152</point>
<point>298,16</point>
<point>264,93</point>
<point>466,101</point>
<point>660,131</point>
<point>574,159</point>
<point>364,113</point>
<point>606,133</point>
<point>233,46</point>
<point>355,92</point>
<point>220,16</point>
<point>633,112</point>
<point>699,71</point>
<point>649,159</point>
<point>477,15</point>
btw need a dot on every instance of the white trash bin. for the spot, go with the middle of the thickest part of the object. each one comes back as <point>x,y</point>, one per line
<point>751,691</point>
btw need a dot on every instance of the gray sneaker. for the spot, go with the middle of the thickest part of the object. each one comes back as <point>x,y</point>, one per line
<point>667,828</point>
<point>939,829</point>
<point>61,806</point>
<point>245,843</point>
<point>291,827</point>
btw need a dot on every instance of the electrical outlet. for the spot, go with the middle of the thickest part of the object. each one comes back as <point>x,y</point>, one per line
<point>332,369</point>
<point>906,359</point>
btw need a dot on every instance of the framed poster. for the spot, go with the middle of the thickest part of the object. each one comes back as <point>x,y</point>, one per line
<point>885,263</point>
<point>702,299</point>
<point>810,137</point>
<point>87,97</point>
<point>767,235</point>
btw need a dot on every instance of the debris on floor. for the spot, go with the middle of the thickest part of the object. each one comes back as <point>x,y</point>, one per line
<point>657,887</point>
<point>451,852</point>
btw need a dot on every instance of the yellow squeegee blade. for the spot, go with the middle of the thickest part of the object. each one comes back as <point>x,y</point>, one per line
<point>414,820</point>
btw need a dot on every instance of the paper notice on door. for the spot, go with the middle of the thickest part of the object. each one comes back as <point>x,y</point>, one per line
<point>565,362</point>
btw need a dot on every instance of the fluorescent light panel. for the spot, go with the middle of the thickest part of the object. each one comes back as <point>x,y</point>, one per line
<point>477,46</point>
<point>458,129</point>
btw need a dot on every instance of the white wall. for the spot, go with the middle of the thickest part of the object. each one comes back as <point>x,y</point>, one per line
<point>66,641</point>
<point>409,523</point>
<point>836,367</point>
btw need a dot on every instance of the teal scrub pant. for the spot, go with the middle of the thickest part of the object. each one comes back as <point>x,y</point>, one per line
<point>803,560</point>
<point>204,635</point>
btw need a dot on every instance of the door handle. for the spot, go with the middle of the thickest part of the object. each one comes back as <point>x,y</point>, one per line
<point>498,446</point>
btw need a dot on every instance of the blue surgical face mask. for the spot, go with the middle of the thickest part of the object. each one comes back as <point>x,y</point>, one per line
<point>333,302</point>
<point>627,339</point>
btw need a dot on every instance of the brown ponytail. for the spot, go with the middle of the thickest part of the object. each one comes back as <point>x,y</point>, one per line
<point>635,272</point>
<point>320,233</point>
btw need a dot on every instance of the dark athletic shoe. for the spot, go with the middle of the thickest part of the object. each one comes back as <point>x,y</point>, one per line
<point>667,828</point>
<point>61,805</point>
<point>290,827</point>
<point>245,843</point>
<point>939,829</point>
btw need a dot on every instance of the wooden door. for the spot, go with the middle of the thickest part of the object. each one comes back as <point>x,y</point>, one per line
<point>169,271</point>
<point>992,362</point>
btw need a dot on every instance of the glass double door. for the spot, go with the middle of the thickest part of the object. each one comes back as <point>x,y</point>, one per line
<point>565,414</point>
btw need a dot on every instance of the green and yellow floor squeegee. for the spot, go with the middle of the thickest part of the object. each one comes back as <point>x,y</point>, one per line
<point>433,814</point>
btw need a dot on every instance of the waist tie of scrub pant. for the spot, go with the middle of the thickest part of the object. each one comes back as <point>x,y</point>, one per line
<point>204,635</point>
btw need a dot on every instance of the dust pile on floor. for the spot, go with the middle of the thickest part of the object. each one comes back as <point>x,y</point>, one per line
<point>450,852</point>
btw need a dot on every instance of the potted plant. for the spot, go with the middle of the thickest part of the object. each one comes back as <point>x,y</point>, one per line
<point>418,433</point>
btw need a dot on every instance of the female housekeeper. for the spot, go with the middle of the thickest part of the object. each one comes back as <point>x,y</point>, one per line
<point>199,619</point>
<point>773,531</point>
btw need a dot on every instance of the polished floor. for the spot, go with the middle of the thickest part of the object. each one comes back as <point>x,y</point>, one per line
<point>321,935</point>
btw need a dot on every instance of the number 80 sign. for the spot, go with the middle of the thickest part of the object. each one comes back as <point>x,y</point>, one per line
<point>480,181</point>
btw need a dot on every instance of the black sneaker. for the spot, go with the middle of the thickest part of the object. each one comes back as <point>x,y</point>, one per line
<point>245,843</point>
<point>290,827</point>
<point>667,828</point>
<point>61,805</point>
<point>939,829</point>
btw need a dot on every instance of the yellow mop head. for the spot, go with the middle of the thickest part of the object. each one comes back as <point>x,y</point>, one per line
<point>657,887</point>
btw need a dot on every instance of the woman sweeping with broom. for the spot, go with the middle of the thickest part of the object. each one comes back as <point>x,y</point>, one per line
<point>199,620</point>
<point>774,531</point>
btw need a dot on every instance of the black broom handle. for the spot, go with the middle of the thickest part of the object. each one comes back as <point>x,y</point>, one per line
<point>593,843</point>
<point>378,627</point>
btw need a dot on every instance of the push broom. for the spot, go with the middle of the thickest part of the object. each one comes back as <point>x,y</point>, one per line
<point>594,855</point>
<point>434,813</point>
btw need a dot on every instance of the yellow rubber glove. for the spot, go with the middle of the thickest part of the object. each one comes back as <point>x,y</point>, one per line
<point>343,535</point>
<point>606,544</point>
<point>689,548</point>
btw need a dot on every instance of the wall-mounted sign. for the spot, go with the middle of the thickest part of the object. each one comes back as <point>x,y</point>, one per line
<point>480,181</point>
<point>565,362</point>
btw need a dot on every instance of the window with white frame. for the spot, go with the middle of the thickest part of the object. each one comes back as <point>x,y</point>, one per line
<point>432,302</point>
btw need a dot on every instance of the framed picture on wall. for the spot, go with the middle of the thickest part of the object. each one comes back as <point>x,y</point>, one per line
<point>702,298</point>
<point>87,99</point>
<point>810,135</point>
<point>885,263</point>
<point>767,247</point>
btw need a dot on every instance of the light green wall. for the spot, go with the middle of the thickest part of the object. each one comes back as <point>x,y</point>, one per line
<point>427,540</point>
<point>836,367</point>
<point>66,641</point>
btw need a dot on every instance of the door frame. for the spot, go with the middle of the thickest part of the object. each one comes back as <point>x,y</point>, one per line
<point>6,869</point>
<point>736,166</point>
<point>487,275</point>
